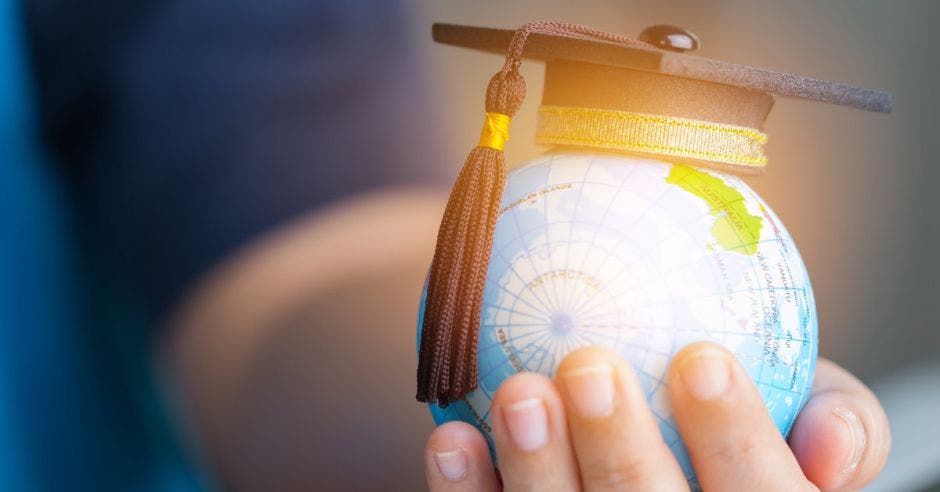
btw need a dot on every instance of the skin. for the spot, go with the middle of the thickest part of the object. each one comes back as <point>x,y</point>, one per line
<point>605,438</point>
<point>253,350</point>
<point>253,353</point>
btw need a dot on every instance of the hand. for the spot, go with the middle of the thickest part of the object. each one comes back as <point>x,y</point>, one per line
<point>591,429</point>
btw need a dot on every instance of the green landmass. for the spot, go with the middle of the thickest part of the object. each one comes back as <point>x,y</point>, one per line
<point>735,228</point>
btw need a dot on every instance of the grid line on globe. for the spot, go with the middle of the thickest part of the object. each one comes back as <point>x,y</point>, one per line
<point>638,255</point>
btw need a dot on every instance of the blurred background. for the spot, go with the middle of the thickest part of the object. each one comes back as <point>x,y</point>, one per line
<point>217,218</point>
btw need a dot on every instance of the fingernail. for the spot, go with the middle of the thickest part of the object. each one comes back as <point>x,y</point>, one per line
<point>527,421</point>
<point>706,374</point>
<point>591,390</point>
<point>857,431</point>
<point>452,464</point>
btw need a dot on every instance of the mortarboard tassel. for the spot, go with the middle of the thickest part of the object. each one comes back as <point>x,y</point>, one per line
<point>447,367</point>
<point>447,359</point>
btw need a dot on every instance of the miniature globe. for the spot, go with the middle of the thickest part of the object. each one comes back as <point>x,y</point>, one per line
<point>643,257</point>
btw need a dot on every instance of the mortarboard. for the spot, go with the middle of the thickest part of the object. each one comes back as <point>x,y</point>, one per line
<point>602,91</point>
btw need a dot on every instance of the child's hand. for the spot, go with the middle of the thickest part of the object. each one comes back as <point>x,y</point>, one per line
<point>591,429</point>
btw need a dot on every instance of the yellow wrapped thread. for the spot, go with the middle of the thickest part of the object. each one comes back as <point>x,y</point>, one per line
<point>495,131</point>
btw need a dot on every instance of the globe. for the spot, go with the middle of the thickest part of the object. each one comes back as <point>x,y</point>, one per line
<point>643,257</point>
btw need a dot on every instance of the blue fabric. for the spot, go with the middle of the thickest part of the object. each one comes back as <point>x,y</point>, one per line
<point>34,299</point>
<point>178,130</point>
<point>63,426</point>
<point>193,126</point>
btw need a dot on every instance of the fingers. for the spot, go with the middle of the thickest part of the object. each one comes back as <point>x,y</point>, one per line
<point>617,442</point>
<point>733,443</point>
<point>841,438</point>
<point>457,459</point>
<point>531,437</point>
<point>594,430</point>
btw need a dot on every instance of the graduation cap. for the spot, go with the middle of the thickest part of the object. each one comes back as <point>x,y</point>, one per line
<point>602,91</point>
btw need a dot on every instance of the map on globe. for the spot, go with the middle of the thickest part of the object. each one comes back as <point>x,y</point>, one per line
<point>643,257</point>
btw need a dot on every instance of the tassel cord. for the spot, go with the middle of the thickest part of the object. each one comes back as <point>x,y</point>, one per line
<point>447,357</point>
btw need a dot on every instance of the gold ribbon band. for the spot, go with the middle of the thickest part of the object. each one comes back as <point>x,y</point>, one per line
<point>495,131</point>
<point>650,133</point>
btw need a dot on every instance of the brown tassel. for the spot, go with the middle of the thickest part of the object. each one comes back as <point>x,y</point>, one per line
<point>447,359</point>
<point>447,365</point>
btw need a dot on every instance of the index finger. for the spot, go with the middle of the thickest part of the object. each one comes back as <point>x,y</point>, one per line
<point>458,460</point>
